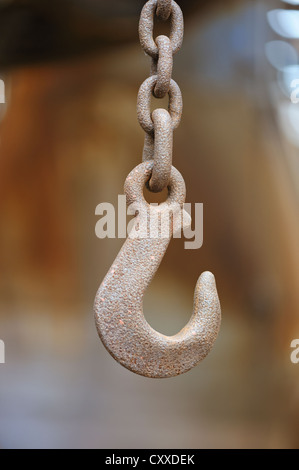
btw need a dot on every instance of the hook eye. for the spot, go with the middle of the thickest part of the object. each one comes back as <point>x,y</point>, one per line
<point>136,180</point>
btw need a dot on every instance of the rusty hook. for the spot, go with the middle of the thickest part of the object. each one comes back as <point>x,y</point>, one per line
<point>119,301</point>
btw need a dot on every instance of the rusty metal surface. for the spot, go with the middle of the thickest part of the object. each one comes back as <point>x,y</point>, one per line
<point>163,143</point>
<point>148,147</point>
<point>146,28</point>
<point>119,301</point>
<point>159,84</point>
<point>118,305</point>
<point>164,8</point>
<point>162,67</point>
<point>145,94</point>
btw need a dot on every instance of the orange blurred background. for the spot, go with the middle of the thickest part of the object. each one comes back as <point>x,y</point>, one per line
<point>69,137</point>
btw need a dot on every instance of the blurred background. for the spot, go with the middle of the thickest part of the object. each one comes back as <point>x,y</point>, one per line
<point>69,137</point>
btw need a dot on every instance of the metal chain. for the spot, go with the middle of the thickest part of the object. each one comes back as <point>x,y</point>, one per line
<point>160,124</point>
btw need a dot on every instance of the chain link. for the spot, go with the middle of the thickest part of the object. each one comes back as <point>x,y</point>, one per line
<point>146,28</point>
<point>159,124</point>
<point>162,67</point>
<point>145,94</point>
<point>163,143</point>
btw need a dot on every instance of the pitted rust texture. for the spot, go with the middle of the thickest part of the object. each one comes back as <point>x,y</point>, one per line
<point>159,84</point>
<point>145,94</point>
<point>162,67</point>
<point>146,28</point>
<point>148,147</point>
<point>119,301</point>
<point>162,150</point>
<point>164,8</point>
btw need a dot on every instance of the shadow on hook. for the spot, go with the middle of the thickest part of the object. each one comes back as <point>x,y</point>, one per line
<point>119,301</point>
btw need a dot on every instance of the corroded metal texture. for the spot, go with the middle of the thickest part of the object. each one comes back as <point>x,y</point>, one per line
<point>145,94</point>
<point>146,28</point>
<point>119,301</point>
<point>158,138</point>
<point>162,150</point>
<point>164,8</point>
<point>163,66</point>
<point>148,147</point>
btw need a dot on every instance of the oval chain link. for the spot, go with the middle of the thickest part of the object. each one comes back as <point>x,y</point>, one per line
<point>146,28</point>
<point>164,8</point>
<point>145,94</point>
